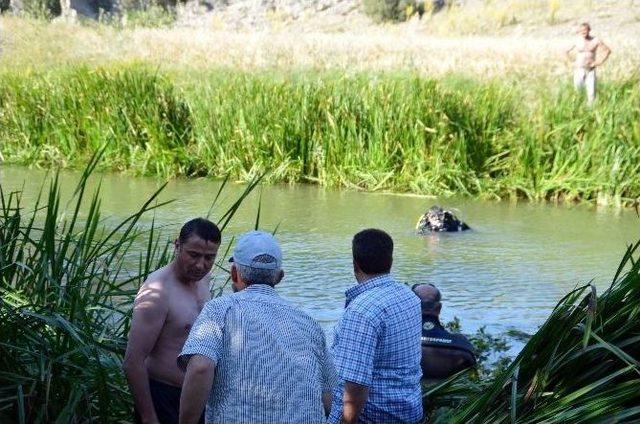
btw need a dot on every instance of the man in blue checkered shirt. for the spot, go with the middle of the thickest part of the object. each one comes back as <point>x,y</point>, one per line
<point>376,348</point>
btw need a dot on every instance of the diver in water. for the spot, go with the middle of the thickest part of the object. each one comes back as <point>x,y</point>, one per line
<point>438,219</point>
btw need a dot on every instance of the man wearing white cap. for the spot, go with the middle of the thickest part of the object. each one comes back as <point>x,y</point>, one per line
<point>251,356</point>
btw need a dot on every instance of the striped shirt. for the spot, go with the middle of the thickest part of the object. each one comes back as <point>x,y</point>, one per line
<point>377,344</point>
<point>271,360</point>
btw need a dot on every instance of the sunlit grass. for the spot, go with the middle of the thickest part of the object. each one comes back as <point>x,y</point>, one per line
<point>526,56</point>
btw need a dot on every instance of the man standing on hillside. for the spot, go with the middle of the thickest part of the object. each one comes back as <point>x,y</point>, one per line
<point>584,73</point>
<point>376,348</point>
<point>253,357</point>
<point>165,308</point>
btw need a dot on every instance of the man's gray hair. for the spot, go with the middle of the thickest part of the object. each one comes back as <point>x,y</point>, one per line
<point>258,275</point>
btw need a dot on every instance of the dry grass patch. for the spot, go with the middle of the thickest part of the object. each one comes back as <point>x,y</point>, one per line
<point>38,45</point>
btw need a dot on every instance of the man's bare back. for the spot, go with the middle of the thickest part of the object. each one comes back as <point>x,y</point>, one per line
<point>164,310</point>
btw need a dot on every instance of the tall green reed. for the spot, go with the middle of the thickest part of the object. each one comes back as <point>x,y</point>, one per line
<point>64,117</point>
<point>66,286</point>
<point>582,366</point>
<point>371,131</point>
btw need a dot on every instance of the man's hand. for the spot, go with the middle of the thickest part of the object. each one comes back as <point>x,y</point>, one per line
<point>149,313</point>
<point>195,389</point>
<point>353,400</point>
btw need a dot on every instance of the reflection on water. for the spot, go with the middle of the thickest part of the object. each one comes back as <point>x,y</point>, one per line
<point>508,272</point>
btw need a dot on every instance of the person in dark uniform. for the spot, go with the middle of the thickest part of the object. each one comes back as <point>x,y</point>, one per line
<point>443,353</point>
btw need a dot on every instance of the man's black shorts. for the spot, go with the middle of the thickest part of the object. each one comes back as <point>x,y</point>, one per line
<point>166,401</point>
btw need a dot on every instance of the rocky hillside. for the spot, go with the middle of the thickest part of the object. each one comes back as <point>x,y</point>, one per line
<point>234,13</point>
<point>543,19</point>
<point>265,14</point>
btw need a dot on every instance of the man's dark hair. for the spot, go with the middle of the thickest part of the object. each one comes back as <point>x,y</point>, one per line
<point>586,25</point>
<point>202,228</point>
<point>373,251</point>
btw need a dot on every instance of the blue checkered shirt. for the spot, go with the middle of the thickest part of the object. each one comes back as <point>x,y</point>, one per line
<point>377,344</point>
<point>271,360</point>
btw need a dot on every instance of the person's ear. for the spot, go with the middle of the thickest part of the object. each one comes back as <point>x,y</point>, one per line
<point>438,308</point>
<point>176,246</point>
<point>234,274</point>
<point>236,281</point>
<point>356,267</point>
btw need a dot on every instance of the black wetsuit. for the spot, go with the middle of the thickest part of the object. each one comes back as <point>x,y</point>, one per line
<point>443,353</point>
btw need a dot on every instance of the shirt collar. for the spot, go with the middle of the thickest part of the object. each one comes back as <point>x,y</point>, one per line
<point>263,289</point>
<point>360,288</point>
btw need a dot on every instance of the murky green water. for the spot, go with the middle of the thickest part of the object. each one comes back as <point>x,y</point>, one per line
<point>507,273</point>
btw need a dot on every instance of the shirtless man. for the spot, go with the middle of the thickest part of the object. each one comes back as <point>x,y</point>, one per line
<point>584,74</point>
<point>165,308</point>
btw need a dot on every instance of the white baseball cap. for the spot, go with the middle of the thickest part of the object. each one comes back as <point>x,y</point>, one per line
<point>255,246</point>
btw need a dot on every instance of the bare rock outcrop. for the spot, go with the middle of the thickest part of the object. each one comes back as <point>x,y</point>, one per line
<point>260,14</point>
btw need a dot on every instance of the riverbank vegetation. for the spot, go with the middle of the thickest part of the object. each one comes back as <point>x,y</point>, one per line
<point>394,131</point>
<point>68,276</point>
<point>582,366</point>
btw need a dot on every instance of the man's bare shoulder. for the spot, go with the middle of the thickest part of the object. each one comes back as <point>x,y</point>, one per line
<point>155,289</point>
<point>204,289</point>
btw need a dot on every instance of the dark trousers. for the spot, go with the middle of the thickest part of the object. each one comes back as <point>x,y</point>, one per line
<point>166,402</point>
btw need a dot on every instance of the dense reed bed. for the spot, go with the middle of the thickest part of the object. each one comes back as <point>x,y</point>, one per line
<point>582,366</point>
<point>372,131</point>
<point>67,282</point>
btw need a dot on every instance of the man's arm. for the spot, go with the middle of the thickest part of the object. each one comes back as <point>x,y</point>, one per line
<point>354,398</point>
<point>568,53</point>
<point>195,389</point>
<point>149,313</point>
<point>607,52</point>
<point>354,355</point>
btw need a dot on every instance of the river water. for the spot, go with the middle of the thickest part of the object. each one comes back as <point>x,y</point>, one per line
<point>507,273</point>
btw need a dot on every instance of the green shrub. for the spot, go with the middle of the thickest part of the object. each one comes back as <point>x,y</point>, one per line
<point>150,16</point>
<point>41,9</point>
<point>392,10</point>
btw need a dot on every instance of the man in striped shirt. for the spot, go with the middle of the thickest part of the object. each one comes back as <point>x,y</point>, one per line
<point>376,348</point>
<point>251,356</point>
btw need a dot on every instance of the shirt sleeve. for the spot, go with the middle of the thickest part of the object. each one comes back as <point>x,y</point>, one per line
<point>206,337</point>
<point>355,350</point>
